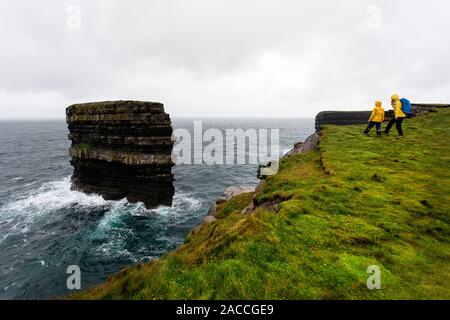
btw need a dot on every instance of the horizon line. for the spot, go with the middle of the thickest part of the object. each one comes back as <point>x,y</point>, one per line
<point>172,117</point>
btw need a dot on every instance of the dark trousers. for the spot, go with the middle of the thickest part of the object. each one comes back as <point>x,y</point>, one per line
<point>398,125</point>
<point>371,125</point>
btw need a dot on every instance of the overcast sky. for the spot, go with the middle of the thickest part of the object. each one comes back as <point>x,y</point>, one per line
<point>207,58</point>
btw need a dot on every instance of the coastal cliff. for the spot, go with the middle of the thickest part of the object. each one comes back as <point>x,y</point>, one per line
<point>122,149</point>
<point>360,117</point>
<point>314,228</point>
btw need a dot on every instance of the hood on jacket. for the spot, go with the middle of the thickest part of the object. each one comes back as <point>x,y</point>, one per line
<point>378,104</point>
<point>395,97</point>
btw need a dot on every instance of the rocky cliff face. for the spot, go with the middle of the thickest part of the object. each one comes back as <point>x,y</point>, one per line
<point>122,149</point>
<point>361,117</point>
<point>342,118</point>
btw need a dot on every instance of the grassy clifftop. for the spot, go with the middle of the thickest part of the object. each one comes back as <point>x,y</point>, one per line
<point>355,202</point>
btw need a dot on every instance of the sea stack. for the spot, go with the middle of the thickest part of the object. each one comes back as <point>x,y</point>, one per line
<point>122,149</point>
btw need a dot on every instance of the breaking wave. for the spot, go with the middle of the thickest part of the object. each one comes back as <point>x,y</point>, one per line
<point>52,226</point>
<point>21,213</point>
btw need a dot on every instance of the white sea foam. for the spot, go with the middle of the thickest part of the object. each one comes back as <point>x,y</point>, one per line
<point>49,197</point>
<point>115,232</point>
<point>20,213</point>
<point>56,195</point>
<point>181,208</point>
<point>181,203</point>
<point>113,216</point>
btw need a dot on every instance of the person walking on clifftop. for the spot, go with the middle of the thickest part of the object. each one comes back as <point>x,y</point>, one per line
<point>376,118</point>
<point>399,116</point>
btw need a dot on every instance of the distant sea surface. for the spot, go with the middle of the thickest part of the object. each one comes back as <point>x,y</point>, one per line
<point>45,227</point>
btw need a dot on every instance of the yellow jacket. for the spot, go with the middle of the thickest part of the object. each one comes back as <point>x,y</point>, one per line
<point>397,105</point>
<point>377,113</point>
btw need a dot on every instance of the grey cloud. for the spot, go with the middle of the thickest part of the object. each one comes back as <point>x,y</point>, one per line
<point>215,57</point>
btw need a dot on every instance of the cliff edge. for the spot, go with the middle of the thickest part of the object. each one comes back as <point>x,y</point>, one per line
<point>317,226</point>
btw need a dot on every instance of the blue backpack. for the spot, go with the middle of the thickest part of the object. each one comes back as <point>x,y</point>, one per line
<point>406,106</point>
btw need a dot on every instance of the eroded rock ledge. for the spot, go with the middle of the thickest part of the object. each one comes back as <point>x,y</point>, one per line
<point>360,117</point>
<point>309,144</point>
<point>122,149</point>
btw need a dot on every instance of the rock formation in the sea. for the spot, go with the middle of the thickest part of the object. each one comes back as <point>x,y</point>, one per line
<point>122,149</point>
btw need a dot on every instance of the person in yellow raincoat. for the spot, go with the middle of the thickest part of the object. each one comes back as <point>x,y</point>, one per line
<point>399,116</point>
<point>376,118</point>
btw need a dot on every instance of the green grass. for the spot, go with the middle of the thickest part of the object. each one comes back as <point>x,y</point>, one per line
<point>357,201</point>
<point>84,146</point>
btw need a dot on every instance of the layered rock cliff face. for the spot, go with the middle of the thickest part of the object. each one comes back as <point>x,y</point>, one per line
<point>361,117</point>
<point>346,117</point>
<point>122,149</point>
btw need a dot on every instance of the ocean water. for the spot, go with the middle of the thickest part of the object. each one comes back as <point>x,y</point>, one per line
<point>45,227</point>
